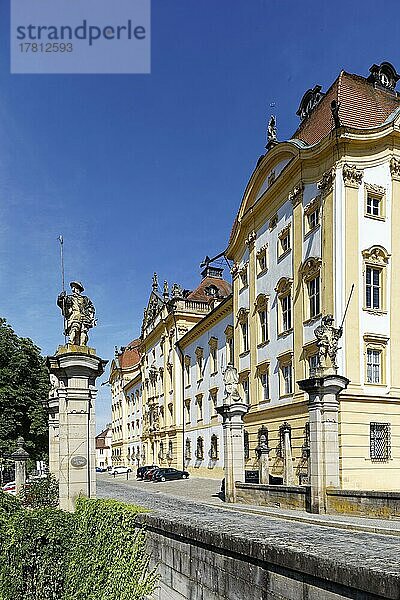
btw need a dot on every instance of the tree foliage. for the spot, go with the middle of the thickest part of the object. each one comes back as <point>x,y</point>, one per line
<point>24,385</point>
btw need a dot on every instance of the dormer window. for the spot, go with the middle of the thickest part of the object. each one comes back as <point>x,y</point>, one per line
<point>211,290</point>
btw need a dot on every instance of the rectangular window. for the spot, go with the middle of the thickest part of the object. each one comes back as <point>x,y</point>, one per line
<point>264,381</point>
<point>313,219</point>
<point>230,351</point>
<point>286,306</point>
<point>246,390</point>
<point>373,288</point>
<point>245,336</point>
<point>380,443</point>
<point>285,243</point>
<point>374,373</point>
<point>314,297</point>
<point>262,315</point>
<point>373,205</point>
<point>313,364</point>
<point>287,379</point>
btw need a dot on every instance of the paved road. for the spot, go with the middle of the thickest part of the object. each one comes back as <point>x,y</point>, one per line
<point>196,502</point>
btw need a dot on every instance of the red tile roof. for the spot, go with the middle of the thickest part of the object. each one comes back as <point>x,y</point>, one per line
<point>224,289</point>
<point>362,106</point>
<point>130,356</point>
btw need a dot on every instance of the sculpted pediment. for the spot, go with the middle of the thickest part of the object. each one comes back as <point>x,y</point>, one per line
<point>154,307</point>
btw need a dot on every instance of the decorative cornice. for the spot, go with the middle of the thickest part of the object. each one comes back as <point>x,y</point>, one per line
<point>261,302</point>
<point>395,168</point>
<point>284,286</point>
<point>296,194</point>
<point>378,190</point>
<point>313,205</point>
<point>311,268</point>
<point>352,177</point>
<point>376,255</point>
<point>325,184</point>
<point>261,250</point>
<point>285,231</point>
<point>242,315</point>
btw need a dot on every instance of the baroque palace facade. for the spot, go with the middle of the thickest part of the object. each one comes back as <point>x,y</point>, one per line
<point>317,233</point>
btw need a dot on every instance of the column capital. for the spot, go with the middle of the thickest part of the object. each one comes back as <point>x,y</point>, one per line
<point>325,184</point>
<point>296,194</point>
<point>395,168</point>
<point>352,177</point>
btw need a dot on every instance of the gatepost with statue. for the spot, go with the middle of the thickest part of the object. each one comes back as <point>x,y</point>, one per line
<point>73,370</point>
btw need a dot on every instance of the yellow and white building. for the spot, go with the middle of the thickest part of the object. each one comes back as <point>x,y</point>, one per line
<point>321,214</point>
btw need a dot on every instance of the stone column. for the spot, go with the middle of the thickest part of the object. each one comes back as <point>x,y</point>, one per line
<point>263,460</point>
<point>74,370</point>
<point>323,406</point>
<point>232,428</point>
<point>20,456</point>
<point>288,474</point>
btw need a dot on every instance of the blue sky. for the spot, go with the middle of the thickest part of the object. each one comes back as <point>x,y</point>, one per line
<point>146,172</point>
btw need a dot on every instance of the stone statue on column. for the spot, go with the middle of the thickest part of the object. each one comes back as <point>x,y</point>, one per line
<point>328,338</point>
<point>78,312</point>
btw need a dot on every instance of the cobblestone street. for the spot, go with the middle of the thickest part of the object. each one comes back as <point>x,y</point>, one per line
<point>196,502</point>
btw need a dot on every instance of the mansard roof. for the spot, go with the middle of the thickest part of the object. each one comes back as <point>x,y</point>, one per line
<point>129,356</point>
<point>202,292</point>
<point>362,105</point>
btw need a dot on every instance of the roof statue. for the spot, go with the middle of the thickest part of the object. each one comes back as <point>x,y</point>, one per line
<point>271,133</point>
<point>78,312</point>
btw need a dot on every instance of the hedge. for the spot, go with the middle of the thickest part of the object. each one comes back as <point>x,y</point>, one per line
<point>96,553</point>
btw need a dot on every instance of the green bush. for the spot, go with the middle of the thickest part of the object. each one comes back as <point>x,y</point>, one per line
<point>94,553</point>
<point>40,493</point>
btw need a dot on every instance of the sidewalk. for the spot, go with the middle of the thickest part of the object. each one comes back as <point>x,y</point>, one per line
<point>354,523</point>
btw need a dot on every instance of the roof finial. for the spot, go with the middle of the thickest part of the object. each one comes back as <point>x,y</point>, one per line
<point>166,292</point>
<point>155,282</point>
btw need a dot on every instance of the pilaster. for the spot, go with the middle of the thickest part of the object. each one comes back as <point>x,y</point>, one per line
<point>395,279</point>
<point>352,179</point>
<point>296,198</point>
<point>325,187</point>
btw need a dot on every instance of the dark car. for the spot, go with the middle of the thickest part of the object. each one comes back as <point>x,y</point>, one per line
<point>142,470</point>
<point>166,474</point>
<point>148,476</point>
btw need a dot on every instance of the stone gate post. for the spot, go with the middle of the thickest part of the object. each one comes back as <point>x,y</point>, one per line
<point>323,406</point>
<point>73,370</point>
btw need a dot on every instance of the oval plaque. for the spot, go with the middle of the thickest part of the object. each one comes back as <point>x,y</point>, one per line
<point>78,462</point>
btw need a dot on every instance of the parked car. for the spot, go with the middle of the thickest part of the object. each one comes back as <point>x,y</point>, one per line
<point>9,488</point>
<point>142,470</point>
<point>166,474</point>
<point>120,470</point>
<point>149,473</point>
<point>101,469</point>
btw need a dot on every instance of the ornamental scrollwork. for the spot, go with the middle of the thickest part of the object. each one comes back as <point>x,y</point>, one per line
<point>352,176</point>
<point>326,182</point>
<point>242,315</point>
<point>284,286</point>
<point>251,238</point>
<point>376,255</point>
<point>311,268</point>
<point>395,168</point>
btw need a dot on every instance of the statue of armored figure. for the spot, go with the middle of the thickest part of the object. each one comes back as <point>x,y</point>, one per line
<point>231,381</point>
<point>327,341</point>
<point>78,312</point>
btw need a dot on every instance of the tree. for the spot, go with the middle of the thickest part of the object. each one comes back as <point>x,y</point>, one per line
<point>24,385</point>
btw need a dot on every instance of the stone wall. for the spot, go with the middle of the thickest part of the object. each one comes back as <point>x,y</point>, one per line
<point>278,496</point>
<point>365,503</point>
<point>198,563</point>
